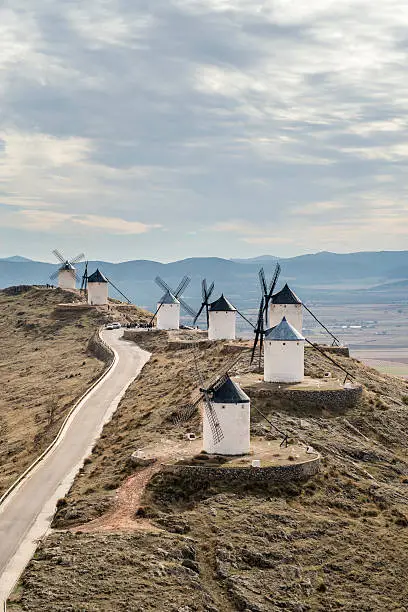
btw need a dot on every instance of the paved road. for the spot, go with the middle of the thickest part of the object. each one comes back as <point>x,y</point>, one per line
<point>26,515</point>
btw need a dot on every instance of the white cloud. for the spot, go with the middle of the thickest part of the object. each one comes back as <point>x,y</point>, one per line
<point>46,220</point>
<point>120,117</point>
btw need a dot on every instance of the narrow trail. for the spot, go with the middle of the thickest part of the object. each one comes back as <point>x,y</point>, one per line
<point>122,516</point>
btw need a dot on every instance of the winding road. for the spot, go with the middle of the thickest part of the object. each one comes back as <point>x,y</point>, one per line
<point>26,515</point>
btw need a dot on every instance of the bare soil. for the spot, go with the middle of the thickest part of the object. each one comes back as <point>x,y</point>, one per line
<point>338,541</point>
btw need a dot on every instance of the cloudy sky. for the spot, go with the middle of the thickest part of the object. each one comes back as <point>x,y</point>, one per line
<point>173,128</point>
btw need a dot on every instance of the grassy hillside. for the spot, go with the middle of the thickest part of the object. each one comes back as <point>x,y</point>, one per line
<point>138,539</point>
<point>44,367</point>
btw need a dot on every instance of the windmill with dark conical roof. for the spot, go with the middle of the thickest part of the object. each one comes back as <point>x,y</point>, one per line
<point>222,320</point>
<point>168,308</point>
<point>66,273</point>
<point>284,354</point>
<point>286,304</point>
<point>98,289</point>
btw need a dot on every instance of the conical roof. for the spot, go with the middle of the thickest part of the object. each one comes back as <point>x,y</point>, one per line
<point>222,305</point>
<point>283,332</point>
<point>285,296</point>
<point>229,393</point>
<point>66,266</point>
<point>169,298</point>
<point>97,277</point>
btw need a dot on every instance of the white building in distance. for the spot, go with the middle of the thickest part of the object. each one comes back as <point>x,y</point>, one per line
<point>168,314</point>
<point>222,320</point>
<point>233,410</point>
<point>284,354</point>
<point>286,304</point>
<point>97,289</point>
<point>67,276</point>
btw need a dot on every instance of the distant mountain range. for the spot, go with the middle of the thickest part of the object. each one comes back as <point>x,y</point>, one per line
<point>322,277</point>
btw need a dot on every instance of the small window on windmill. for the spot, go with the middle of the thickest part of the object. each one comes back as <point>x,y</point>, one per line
<point>283,343</point>
<point>223,407</point>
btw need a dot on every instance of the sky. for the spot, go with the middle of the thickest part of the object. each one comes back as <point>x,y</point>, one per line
<point>177,128</point>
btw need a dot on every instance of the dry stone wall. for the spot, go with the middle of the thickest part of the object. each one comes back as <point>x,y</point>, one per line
<point>331,399</point>
<point>98,348</point>
<point>273,474</point>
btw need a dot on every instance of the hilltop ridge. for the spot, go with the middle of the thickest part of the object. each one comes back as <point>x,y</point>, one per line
<point>338,541</point>
<point>333,277</point>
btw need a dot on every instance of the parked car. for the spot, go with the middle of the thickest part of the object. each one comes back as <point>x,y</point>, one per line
<point>109,326</point>
<point>116,325</point>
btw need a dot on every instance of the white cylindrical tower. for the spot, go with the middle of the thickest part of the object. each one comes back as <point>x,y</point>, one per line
<point>97,289</point>
<point>222,320</point>
<point>168,315</point>
<point>286,304</point>
<point>284,354</point>
<point>232,408</point>
<point>67,276</point>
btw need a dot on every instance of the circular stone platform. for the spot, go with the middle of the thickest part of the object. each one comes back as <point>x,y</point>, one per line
<point>329,393</point>
<point>276,465</point>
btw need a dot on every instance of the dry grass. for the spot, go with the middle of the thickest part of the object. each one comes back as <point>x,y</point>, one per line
<point>44,367</point>
<point>336,542</point>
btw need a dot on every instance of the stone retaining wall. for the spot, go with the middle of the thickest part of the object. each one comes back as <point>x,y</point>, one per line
<point>98,348</point>
<point>274,474</point>
<point>331,399</point>
<point>343,351</point>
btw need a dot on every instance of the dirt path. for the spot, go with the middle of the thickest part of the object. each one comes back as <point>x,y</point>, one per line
<point>122,517</point>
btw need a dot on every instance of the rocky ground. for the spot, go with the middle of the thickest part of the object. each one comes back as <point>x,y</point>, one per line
<point>338,541</point>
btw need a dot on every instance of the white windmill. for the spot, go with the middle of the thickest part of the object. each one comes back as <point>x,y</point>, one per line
<point>66,273</point>
<point>98,289</point>
<point>168,308</point>
<point>286,304</point>
<point>231,407</point>
<point>222,317</point>
<point>284,354</point>
<point>226,413</point>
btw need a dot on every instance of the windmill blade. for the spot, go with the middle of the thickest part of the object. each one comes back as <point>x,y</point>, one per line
<point>199,313</point>
<point>215,426</point>
<point>160,282</point>
<point>182,286</point>
<point>219,382</point>
<point>155,315</point>
<point>186,307</point>
<point>185,414</point>
<point>336,341</point>
<point>255,345</point>
<point>84,281</point>
<point>54,275</point>
<point>274,280</point>
<point>262,280</point>
<point>204,289</point>
<point>245,319</point>
<point>210,290</point>
<point>118,290</point>
<point>59,256</point>
<point>213,383</point>
<point>77,259</point>
<point>259,330</point>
